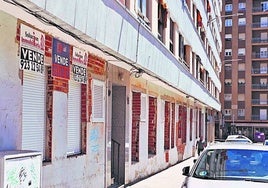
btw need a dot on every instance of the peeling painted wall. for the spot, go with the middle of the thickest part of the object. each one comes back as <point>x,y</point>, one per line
<point>10,85</point>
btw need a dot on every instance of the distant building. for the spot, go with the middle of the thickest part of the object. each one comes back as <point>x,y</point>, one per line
<point>245,61</point>
<point>108,91</point>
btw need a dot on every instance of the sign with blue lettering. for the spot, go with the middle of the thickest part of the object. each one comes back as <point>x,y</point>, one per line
<point>60,59</point>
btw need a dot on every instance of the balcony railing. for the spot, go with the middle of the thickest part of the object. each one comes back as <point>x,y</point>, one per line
<point>258,117</point>
<point>259,40</point>
<point>259,71</point>
<point>259,55</point>
<point>184,63</point>
<point>260,86</point>
<point>259,102</point>
<point>259,9</point>
<point>260,25</point>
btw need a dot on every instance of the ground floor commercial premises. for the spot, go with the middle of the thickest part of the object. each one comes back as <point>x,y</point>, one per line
<point>95,122</point>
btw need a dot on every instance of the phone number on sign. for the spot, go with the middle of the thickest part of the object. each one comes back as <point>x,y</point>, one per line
<point>31,65</point>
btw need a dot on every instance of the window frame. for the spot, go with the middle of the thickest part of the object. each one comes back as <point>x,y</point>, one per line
<point>242,6</point>
<point>228,52</point>
<point>98,83</point>
<point>241,51</point>
<point>228,22</point>
<point>241,21</point>
<point>228,7</point>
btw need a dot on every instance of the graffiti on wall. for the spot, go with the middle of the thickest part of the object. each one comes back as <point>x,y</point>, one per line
<point>23,172</point>
<point>94,137</point>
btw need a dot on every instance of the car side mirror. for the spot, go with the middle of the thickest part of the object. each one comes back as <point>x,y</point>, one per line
<point>186,170</point>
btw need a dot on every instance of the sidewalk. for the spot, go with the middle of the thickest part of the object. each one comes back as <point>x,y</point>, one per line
<point>171,177</point>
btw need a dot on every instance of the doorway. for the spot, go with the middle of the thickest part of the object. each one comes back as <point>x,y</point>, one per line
<point>118,134</point>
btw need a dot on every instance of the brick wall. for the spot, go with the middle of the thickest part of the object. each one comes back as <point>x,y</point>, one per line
<point>191,124</point>
<point>96,65</point>
<point>167,126</point>
<point>136,112</point>
<point>182,123</point>
<point>173,125</point>
<point>152,125</point>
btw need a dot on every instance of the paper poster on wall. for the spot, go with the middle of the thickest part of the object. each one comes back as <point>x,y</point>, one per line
<point>60,59</point>
<point>79,65</point>
<point>32,49</point>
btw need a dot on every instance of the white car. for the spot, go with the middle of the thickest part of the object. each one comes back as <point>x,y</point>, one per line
<point>224,165</point>
<point>238,138</point>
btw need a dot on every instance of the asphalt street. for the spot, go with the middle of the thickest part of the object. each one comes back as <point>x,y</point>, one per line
<point>171,177</point>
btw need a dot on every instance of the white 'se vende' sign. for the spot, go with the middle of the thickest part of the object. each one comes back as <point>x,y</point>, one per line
<point>79,65</point>
<point>32,49</point>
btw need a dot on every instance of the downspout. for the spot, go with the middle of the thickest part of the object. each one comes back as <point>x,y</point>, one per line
<point>138,38</point>
<point>106,123</point>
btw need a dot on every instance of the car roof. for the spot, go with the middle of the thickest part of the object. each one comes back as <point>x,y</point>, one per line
<point>237,137</point>
<point>232,145</point>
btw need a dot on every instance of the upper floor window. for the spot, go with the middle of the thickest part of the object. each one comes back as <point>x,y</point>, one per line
<point>242,21</point>
<point>227,97</point>
<point>228,52</point>
<point>241,112</point>
<point>228,8</point>
<point>241,81</point>
<point>242,36</point>
<point>228,23</point>
<point>241,6</point>
<point>228,81</point>
<point>241,51</point>
<point>141,7</point>
<point>264,6</point>
<point>227,67</point>
<point>241,67</point>
<point>162,20</point>
<point>98,90</point>
<point>241,97</point>
<point>171,36</point>
<point>228,37</point>
<point>227,112</point>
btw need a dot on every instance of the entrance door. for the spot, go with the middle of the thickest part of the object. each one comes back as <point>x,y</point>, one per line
<point>118,134</point>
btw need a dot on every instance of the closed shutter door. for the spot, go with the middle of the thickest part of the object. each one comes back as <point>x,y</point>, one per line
<point>74,118</point>
<point>33,111</point>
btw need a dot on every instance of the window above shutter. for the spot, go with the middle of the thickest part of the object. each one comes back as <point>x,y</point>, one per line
<point>98,101</point>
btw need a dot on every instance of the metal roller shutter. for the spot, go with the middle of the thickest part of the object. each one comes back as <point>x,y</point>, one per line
<point>74,118</point>
<point>98,99</point>
<point>33,111</point>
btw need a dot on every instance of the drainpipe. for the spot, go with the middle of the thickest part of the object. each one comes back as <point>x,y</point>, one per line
<point>106,123</point>
<point>138,38</point>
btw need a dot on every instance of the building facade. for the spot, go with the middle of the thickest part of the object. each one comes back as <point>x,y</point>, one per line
<point>244,75</point>
<point>108,91</point>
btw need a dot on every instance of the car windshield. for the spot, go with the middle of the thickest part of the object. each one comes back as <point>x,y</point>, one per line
<point>238,140</point>
<point>233,164</point>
